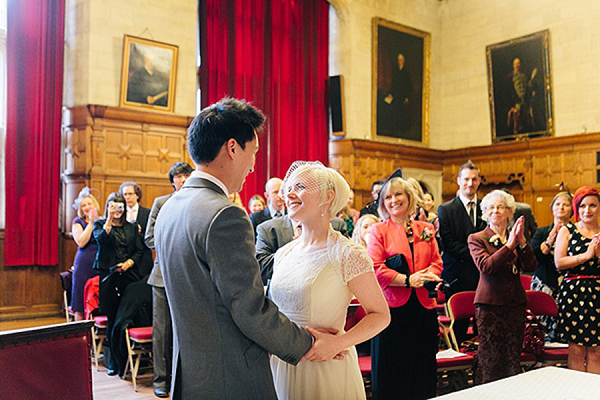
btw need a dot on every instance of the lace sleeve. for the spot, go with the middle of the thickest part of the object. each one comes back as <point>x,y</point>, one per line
<point>355,261</point>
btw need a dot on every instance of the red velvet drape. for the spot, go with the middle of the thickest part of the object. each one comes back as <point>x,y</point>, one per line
<point>273,53</point>
<point>35,37</point>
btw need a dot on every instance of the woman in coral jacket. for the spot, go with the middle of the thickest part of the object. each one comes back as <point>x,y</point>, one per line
<point>403,355</point>
<point>500,253</point>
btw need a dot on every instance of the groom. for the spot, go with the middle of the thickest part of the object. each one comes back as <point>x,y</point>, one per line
<point>223,326</point>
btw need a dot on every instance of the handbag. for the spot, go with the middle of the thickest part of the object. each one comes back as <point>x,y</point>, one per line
<point>398,263</point>
<point>534,333</point>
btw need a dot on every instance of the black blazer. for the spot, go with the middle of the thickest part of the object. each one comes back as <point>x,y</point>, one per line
<point>106,256</point>
<point>142,219</point>
<point>546,270</point>
<point>455,228</point>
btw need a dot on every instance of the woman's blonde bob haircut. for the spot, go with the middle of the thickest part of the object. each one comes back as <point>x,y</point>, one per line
<point>321,179</point>
<point>397,184</point>
<point>94,202</point>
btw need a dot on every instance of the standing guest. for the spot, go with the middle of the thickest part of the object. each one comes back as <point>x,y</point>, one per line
<point>273,234</point>
<point>524,209</point>
<point>314,280</point>
<point>223,326</point>
<point>403,355</point>
<point>577,252</point>
<point>256,203</point>
<point>120,251</point>
<point>346,216</point>
<point>236,199</point>
<point>546,276</point>
<point>162,330</point>
<point>420,213</point>
<point>87,212</point>
<point>353,212</point>
<point>132,194</point>
<point>429,205</point>
<point>371,207</point>
<point>275,206</point>
<point>459,218</point>
<point>362,228</point>
<point>499,254</point>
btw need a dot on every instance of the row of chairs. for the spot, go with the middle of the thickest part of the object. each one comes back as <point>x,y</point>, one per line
<point>455,371</point>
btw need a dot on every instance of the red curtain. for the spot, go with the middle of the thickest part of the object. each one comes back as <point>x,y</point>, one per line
<point>35,37</point>
<point>273,53</point>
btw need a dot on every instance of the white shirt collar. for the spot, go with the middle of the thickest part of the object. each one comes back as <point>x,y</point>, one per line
<point>273,212</point>
<point>466,201</point>
<point>213,179</point>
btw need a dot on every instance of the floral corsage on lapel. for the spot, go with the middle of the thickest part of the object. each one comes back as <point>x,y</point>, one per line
<point>426,234</point>
<point>495,241</point>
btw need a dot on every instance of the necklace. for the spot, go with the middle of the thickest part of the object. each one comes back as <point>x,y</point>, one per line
<point>408,230</point>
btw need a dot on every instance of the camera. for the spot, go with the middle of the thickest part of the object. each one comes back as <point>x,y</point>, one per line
<point>431,287</point>
<point>118,206</point>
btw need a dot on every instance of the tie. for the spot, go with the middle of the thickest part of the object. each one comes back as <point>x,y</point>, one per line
<point>277,214</point>
<point>471,205</point>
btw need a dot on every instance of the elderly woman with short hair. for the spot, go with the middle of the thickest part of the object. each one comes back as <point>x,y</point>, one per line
<point>500,252</point>
<point>406,256</point>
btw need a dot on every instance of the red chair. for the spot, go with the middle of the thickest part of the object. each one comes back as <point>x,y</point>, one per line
<point>98,336</point>
<point>526,281</point>
<point>139,343</point>
<point>541,303</point>
<point>460,306</point>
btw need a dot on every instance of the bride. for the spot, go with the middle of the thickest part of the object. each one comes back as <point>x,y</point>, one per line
<point>314,279</point>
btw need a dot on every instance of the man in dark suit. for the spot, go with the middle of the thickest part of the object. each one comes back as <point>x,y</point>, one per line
<point>275,206</point>
<point>223,325</point>
<point>162,331</point>
<point>138,214</point>
<point>273,234</point>
<point>459,218</point>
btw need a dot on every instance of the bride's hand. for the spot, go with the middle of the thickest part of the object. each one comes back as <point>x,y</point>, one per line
<point>326,345</point>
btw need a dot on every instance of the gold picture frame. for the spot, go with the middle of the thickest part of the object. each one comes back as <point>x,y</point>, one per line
<point>148,75</point>
<point>400,83</point>
<point>520,87</point>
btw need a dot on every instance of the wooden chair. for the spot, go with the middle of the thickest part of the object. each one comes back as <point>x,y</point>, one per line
<point>540,304</point>
<point>98,337</point>
<point>139,343</point>
<point>460,306</point>
<point>66,279</point>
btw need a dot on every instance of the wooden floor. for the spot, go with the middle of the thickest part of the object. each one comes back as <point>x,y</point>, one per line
<point>105,387</point>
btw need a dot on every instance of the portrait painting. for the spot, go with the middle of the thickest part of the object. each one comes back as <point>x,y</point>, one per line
<point>519,84</point>
<point>148,74</point>
<point>400,83</point>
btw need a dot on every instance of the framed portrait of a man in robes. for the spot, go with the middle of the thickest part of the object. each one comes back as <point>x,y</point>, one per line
<point>401,57</point>
<point>520,87</point>
<point>148,74</point>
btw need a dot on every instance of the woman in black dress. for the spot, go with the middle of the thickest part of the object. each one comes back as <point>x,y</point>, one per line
<point>577,252</point>
<point>120,252</point>
<point>546,276</point>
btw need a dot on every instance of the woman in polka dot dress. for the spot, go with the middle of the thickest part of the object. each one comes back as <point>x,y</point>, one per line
<point>577,253</point>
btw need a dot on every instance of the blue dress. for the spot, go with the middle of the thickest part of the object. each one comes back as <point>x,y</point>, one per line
<point>84,262</point>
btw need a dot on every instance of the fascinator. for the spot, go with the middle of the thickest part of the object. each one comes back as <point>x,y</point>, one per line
<point>85,192</point>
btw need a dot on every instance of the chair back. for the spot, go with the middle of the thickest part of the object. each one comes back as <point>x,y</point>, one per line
<point>461,305</point>
<point>541,303</point>
<point>526,282</point>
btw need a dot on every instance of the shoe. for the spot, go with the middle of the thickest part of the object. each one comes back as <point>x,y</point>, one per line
<point>111,371</point>
<point>160,392</point>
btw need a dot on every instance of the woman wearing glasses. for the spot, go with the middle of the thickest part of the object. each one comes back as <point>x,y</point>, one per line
<point>500,252</point>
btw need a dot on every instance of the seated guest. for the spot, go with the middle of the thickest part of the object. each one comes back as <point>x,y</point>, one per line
<point>345,216</point>
<point>120,252</point>
<point>499,254</point>
<point>577,252</point>
<point>87,212</point>
<point>162,331</point>
<point>256,203</point>
<point>405,255</point>
<point>546,276</point>
<point>362,228</point>
<point>273,234</point>
<point>132,194</point>
<point>275,206</point>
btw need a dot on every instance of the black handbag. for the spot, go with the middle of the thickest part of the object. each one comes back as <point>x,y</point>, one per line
<point>398,263</point>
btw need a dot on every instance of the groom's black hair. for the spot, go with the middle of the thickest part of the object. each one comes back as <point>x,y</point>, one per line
<point>217,123</point>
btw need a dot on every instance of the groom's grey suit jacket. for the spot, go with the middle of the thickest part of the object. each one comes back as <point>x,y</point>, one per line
<point>223,325</point>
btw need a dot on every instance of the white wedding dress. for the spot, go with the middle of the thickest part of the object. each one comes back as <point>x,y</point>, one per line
<point>311,290</point>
